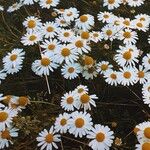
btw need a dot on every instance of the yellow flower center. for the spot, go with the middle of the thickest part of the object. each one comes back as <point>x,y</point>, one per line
<point>111,1</point>
<point>127,55</point>
<point>62,21</point>
<point>85,98</point>
<point>79,44</point>
<point>106,16</point>
<point>63,122</point>
<point>126,22</point>
<point>71,70</point>
<point>80,90</point>
<point>142,19</point>
<point>5,134</point>
<point>113,76</point>
<point>127,75</point>
<point>100,137</point>
<point>104,67</point>
<point>13,57</point>
<point>95,34</point>
<point>66,34</point>
<point>141,74</point>
<point>45,61</point>
<point>147,132</point>
<point>109,32</point>
<point>85,35</point>
<point>51,47</point>
<point>146,146</point>
<point>49,1</point>
<point>127,35</point>
<point>79,123</point>
<point>83,18</point>
<point>31,24</point>
<point>3,116</point>
<point>50,29</point>
<point>65,52</point>
<point>139,24</point>
<point>88,60</point>
<point>7,99</point>
<point>23,101</point>
<point>49,138</point>
<point>32,38</point>
<point>70,100</point>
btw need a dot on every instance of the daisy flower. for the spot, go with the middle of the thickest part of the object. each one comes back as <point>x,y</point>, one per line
<point>101,137</point>
<point>85,22</point>
<point>85,101</point>
<point>48,3</point>
<point>111,4</point>
<point>143,17</point>
<point>146,61</point>
<point>105,16</point>
<point>44,65</point>
<point>13,61</point>
<point>81,89</point>
<point>143,146</point>
<point>127,55</point>
<point>88,61</point>
<point>80,45</point>
<point>136,3</point>
<point>66,35</point>
<point>111,77</point>
<point>50,29</point>
<point>128,36</point>
<point>70,14</point>
<point>127,76</point>
<point>47,139</point>
<point>14,7</point>
<point>103,66</point>
<point>31,38</point>
<point>61,123</point>
<point>60,21</point>
<point>71,70</point>
<point>85,35</point>
<point>96,36</point>
<point>50,46</point>
<point>80,123</point>
<point>68,101</point>
<point>126,23</point>
<point>66,54</point>
<point>28,2</point>
<point>7,135</point>
<point>6,117</point>
<point>32,23</point>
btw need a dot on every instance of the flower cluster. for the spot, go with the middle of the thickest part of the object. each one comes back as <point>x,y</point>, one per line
<point>78,123</point>
<point>142,132</point>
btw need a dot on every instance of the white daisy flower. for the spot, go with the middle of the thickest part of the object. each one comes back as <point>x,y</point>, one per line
<point>48,3</point>
<point>70,14</point>
<point>80,123</point>
<point>103,66</point>
<point>96,36</point>
<point>80,45</point>
<point>102,137</point>
<point>136,3</point>
<point>61,123</point>
<point>14,7</point>
<point>127,23</point>
<point>60,21</point>
<point>32,23</point>
<point>50,46</point>
<point>112,4</point>
<point>111,77</point>
<point>28,2</point>
<point>47,139</point>
<point>143,146</point>
<point>85,101</point>
<point>105,16</point>
<point>66,54</point>
<point>6,117</point>
<point>7,135</point>
<point>44,65</point>
<point>13,61</point>
<point>81,89</point>
<point>146,61</point>
<point>71,70</point>
<point>85,22</point>
<point>31,38</point>
<point>127,55</point>
<point>50,29</point>
<point>127,76</point>
<point>68,101</point>
<point>128,36</point>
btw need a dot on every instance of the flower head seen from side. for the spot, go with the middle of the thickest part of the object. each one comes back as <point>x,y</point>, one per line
<point>14,7</point>
<point>80,123</point>
<point>61,123</point>
<point>101,137</point>
<point>48,3</point>
<point>48,139</point>
<point>13,61</point>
